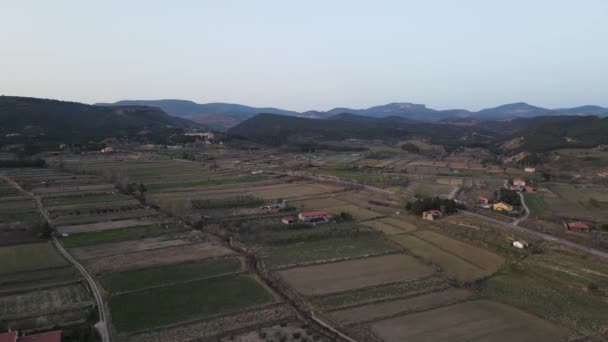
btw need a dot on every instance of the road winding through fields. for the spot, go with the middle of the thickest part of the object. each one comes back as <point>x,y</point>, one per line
<point>101,326</point>
<point>512,225</point>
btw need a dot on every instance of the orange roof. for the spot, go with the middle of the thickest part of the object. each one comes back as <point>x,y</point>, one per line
<point>578,225</point>
<point>51,336</point>
<point>10,336</point>
<point>315,213</point>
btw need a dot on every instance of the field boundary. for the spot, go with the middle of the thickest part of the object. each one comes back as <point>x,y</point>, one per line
<point>330,261</point>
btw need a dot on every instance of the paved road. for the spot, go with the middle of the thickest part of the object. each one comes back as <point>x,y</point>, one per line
<point>101,326</point>
<point>539,234</point>
<point>513,225</point>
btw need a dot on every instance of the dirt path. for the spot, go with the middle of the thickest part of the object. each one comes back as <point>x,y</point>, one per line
<point>101,326</point>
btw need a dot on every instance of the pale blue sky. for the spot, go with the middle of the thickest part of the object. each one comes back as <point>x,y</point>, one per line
<point>309,54</point>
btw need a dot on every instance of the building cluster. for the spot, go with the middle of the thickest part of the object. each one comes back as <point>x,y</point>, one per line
<point>311,217</point>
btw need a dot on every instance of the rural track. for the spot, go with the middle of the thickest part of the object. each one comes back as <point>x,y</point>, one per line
<point>512,225</point>
<point>101,326</point>
<point>543,236</point>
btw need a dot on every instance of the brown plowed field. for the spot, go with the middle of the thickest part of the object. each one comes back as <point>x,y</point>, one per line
<point>354,274</point>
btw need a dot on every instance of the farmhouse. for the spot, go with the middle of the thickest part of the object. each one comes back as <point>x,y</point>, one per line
<point>288,220</point>
<point>315,216</point>
<point>578,226</point>
<point>502,206</point>
<point>13,336</point>
<point>519,182</point>
<point>431,215</point>
<point>520,244</point>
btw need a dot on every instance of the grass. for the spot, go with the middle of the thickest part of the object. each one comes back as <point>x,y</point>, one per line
<point>30,257</point>
<point>157,307</point>
<point>536,203</point>
<point>383,292</point>
<point>352,175</point>
<point>207,182</point>
<point>520,287</point>
<point>113,235</point>
<point>132,280</point>
<point>350,246</point>
<point>19,216</point>
<point>85,199</point>
<point>383,148</point>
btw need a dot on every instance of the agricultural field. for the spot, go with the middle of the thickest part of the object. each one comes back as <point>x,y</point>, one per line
<point>303,252</point>
<point>121,234</point>
<point>29,257</point>
<point>141,309</point>
<point>382,276</point>
<point>375,311</point>
<point>353,274</point>
<point>156,276</point>
<point>576,201</point>
<point>449,263</point>
<point>470,321</point>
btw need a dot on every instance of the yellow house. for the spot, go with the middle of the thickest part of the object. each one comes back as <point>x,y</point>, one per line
<point>502,206</point>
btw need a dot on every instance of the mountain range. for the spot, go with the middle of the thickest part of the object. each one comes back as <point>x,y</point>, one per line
<point>71,122</point>
<point>222,116</point>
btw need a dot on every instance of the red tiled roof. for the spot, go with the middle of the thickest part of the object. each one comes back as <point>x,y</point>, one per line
<point>578,225</point>
<point>10,336</point>
<point>435,212</point>
<point>315,213</point>
<point>51,336</point>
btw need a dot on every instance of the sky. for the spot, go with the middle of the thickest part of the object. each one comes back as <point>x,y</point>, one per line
<point>313,54</point>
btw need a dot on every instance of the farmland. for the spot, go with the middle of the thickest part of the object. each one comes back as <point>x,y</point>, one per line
<point>353,274</point>
<point>151,277</point>
<point>476,320</point>
<point>140,310</point>
<point>30,257</point>
<point>373,274</point>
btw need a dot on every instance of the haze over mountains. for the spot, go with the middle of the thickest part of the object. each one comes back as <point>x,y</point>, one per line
<point>225,115</point>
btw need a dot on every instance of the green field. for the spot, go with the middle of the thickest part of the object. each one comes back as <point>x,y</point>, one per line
<point>377,293</point>
<point>30,257</point>
<point>19,216</point>
<point>114,235</point>
<point>536,203</point>
<point>132,280</point>
<point>85,199</point>
<point>521,287</point>
<point>352,175</point>
<point>156,307</point>
<point>349,246</point>
<point>206,182</point>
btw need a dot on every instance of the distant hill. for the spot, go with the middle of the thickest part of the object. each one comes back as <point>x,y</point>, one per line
<point>225,115</point>
<point>277,130</point>
<point>543,134</point>
<point>216,115</point>
<point>76,122</point>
